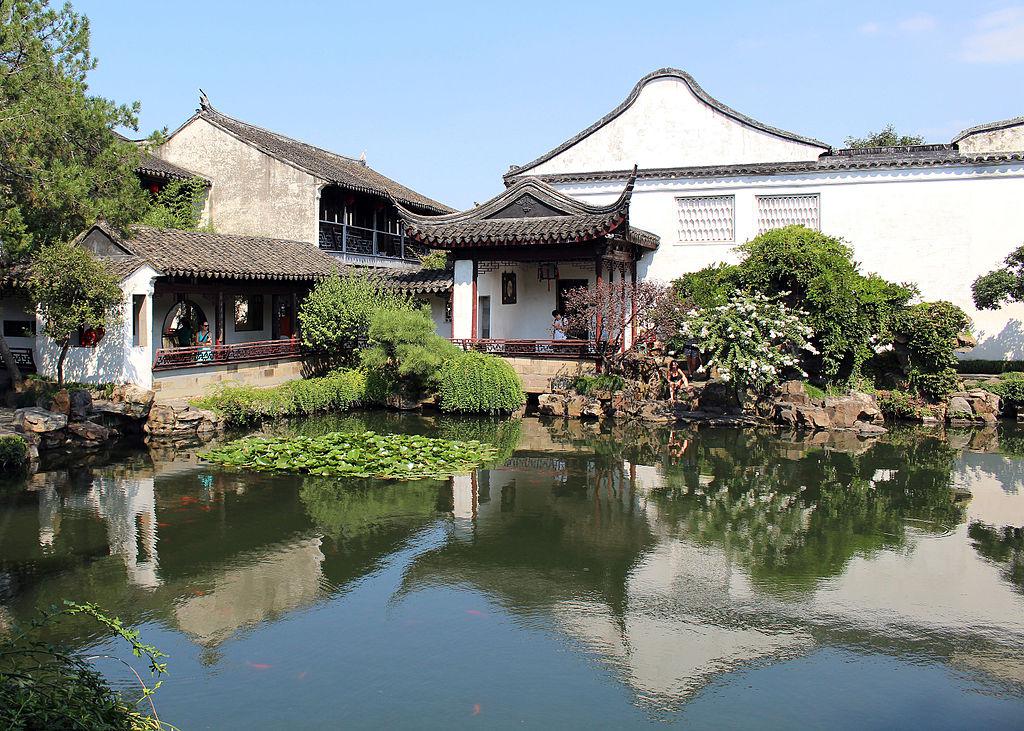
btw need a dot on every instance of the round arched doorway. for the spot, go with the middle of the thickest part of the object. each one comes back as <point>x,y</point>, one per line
<point>182,323</point>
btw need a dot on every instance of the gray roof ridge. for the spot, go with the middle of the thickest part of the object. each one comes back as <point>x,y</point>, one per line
<point>989,127</point>
<point>517,189</point>
<point>843,162</point>
<point>286,138</point>
<point>666,72</point>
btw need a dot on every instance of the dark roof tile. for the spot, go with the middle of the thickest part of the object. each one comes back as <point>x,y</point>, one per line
<point>343,171</point>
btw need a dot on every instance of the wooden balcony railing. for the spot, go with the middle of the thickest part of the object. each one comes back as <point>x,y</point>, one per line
<point>532,348</point>
<point>366,245</point>
<point>196,357</point>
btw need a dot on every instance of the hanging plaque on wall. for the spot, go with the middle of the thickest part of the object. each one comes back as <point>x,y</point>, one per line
<point>508,288</point>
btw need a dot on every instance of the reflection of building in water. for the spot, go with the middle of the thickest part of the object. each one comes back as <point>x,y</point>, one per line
<point>126,506</point>
<point>259,587</point>
<point>578,539</point>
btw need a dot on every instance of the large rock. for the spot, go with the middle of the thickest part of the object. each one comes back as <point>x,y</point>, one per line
<point>844,412</point>
<point>40,421</point>
<point>593,409</point>
<point>80,405</point>
<point>575,405</point>
<point>89,432</point>
<point>61,402</point>
<point>551,404</point>
<point>656,412</point>
<point>793,392</point>
<point>162,414</point>
<point>958,407</point>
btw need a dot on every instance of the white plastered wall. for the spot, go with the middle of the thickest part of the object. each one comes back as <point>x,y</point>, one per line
<point>669,126</point>
<point>115,359</point>
<point>939,228</point>
<point>252,192</point>
<point>16,309</point>
<point>530,317</point>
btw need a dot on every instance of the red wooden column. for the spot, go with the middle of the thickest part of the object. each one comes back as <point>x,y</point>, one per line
<point>625,304</point>
<point>599,273</point>
<point>632,327</point>
<point>476,273</point>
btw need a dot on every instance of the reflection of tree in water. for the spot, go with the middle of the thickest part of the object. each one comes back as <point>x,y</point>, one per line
<point>346,510</point>
<point>1004,547</point>
<point>789,509</point>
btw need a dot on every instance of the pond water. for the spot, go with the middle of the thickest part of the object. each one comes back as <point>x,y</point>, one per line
<point>588,578</point>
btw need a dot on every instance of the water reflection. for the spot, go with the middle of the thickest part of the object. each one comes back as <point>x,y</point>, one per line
<point>670,558</point>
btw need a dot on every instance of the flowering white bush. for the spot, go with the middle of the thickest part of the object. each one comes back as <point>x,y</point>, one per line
<point>752,339</point>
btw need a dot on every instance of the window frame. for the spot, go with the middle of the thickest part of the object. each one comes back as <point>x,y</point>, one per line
<point>758,230</point>
<point>258,324</point>
<point>731,197</point>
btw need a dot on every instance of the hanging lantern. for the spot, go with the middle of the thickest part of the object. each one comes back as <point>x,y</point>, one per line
<point>154,188</point>
<point>350,199</point>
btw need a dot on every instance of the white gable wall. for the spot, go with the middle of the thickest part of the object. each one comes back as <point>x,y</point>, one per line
<point>669,126</point>
<point>252,193</point>
<point>115,359</point>
<point>939,228</point>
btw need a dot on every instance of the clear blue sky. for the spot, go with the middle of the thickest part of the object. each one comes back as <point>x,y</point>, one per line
<point>444,96</point>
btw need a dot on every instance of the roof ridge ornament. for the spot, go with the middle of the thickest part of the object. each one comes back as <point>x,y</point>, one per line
<point>204,102</point>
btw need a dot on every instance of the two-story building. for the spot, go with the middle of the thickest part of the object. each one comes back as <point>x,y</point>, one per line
<point>286,214</point>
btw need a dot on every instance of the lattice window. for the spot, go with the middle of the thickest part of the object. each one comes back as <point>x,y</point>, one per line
<point>776,211</point>
<point>707,218</point>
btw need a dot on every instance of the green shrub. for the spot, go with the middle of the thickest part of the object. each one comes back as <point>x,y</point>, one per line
<point>814,273</point>
<point>335,317</point>
<point>435,259</point>
<point>476,383</point>
<point>989,366</point>
<point>45,685</point>
<point>241,405</point>
<point>1010,389</point>
<point>587,385</point>
<point>404,354</point>
<point>928,334</point>
<point>898,405</point>
<point>13,453</point>
<point>753,340</point>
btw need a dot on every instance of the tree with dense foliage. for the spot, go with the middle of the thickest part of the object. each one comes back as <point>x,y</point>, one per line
<point>885,137</point>
<point>335,317</point>
<point>434,260</point>
<point>1001,286</point>
<point>62,167</point>
<point>404,355</point>
<point>477,383</point>
<point>752,340</point>
<point>927,335</point>
<point>849,312</point>
<point>73,290</point>
<point>179,204</point>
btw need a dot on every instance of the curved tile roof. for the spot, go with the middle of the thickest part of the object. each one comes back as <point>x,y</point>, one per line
<point>508,219</point>
<point>329,166</point>
<point>877,158</point>
<point>173,252</point>
<point>989,127</point>
<point>635,93</point>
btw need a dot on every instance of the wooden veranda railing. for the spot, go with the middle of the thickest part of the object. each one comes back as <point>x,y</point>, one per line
<point>196,356</point>
<point>532,348</point>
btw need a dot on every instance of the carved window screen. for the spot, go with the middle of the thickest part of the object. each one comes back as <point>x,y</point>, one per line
<point>707,219</point>
<point>776,211</point>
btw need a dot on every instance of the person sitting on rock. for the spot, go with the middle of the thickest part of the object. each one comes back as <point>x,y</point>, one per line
<point>677,381</point>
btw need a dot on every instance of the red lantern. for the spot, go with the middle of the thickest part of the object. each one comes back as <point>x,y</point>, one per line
<point>154,188</point>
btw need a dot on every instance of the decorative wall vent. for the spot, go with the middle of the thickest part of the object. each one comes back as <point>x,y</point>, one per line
<point>776,211</point>
<point>708,218</point>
